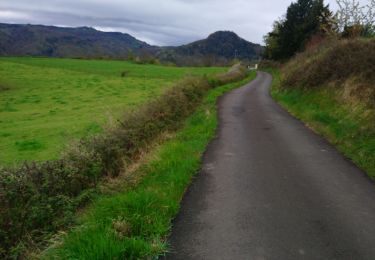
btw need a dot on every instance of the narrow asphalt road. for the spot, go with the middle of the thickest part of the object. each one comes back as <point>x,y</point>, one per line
<point>270,188</point>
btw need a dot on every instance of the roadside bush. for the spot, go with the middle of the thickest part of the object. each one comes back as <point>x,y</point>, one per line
<point>37,199</point>
<point>236,72</point>
<point>266,64</point>
<point>339,63</point>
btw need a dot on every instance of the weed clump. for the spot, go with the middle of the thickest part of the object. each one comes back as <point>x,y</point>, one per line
<point>265,64</point>
<point>124,73</point>
<point>121,228</point>
<point>4,88</point>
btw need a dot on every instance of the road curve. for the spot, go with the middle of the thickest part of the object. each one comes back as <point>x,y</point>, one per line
<point>270,188</point>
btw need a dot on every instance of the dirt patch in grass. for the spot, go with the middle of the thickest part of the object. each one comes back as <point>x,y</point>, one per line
<point>4,87</point>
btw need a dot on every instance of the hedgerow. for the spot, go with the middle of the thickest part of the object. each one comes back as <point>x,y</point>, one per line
<point>38,199</point>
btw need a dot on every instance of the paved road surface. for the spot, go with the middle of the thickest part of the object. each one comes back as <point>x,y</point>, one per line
<point>272,189</point>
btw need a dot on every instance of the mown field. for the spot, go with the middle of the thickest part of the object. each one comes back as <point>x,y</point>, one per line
<point>45,103</point>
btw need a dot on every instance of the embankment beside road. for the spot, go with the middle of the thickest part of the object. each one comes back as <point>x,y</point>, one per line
<point>332,89</point>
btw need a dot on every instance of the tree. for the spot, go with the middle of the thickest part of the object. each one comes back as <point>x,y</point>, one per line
<point>272,50</point>
<point>354,19</point>
<point>303,19</point>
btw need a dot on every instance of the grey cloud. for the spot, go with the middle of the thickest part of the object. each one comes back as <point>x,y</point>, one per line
<point>163,22</point>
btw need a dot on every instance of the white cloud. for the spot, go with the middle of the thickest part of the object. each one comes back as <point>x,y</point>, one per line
<point>163,22</point>
<point>11,15</point>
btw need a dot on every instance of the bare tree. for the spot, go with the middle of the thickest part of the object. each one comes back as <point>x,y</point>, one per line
<point>370,14</point>
<point>352,13</point>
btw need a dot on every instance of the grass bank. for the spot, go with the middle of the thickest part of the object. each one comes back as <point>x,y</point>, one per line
<point>134,223</point>
<point>349,126</point>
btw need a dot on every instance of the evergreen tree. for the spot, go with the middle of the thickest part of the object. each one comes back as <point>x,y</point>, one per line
<point>303,19</point>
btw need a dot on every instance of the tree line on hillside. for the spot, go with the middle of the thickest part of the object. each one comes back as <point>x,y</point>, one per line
<point>309,22</point>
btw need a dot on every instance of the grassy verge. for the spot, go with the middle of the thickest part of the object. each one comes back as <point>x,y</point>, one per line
<point>134,223</point>
<point>350,129</point>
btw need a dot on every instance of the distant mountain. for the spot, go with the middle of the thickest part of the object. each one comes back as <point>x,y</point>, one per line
<point>83,42</point>
<point>40,40</point>
<point>219,47</point>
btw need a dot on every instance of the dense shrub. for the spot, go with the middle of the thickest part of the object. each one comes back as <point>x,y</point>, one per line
<point>38,199</point>
<point>236,72</point>
<point>344,64</point>
<point>266,64</point>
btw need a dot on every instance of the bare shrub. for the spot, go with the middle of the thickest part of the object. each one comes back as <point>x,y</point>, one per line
<point>266,64</point>
<point>355,19</point>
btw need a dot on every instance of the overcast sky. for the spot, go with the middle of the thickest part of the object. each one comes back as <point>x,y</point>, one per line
<point>159,22</point>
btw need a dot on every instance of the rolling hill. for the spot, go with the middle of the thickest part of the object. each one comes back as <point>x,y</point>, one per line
<point>219,47</point>
<point>84,42</point>
<point>51,41</point>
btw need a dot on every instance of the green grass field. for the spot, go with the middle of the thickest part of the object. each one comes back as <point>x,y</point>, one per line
<point>45,103</point>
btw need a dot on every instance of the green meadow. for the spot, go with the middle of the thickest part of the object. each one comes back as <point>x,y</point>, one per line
<point>46,103</point>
